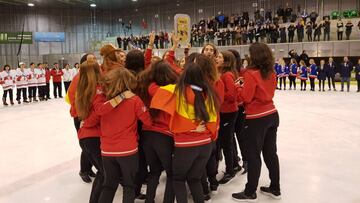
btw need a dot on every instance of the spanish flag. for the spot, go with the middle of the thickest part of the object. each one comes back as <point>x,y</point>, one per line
<point>181,110</point>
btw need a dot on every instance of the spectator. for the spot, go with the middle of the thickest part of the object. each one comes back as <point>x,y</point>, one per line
<point>238,36</point>
<point>232,20</point>
<point>309,31</point>
<point>345,73</point>
<point>313,16</point>
<point>262,34</point>
<point>348,30</point>
<point>161,39</point>
<point>317,32</point>
<point>304,15</point>
<point>223,38</point>
<point>156,42</point>
<point>280,12</point>
<point>227,36</point>
<point>268,15</point>
<point>233,36</point>
<point>244,35</point>
<point>304,57</point>
<point>326,27</point>
<point>251,34</point>
<point>293,54</point>
<point>288,12</point>
<point>340,29</point>
<point>282,34</point>
<point>291,32</point>
<point>119,41</point>
<point>300,31</point>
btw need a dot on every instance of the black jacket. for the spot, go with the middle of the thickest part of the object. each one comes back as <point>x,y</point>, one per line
<point>321,73</point>
<point>357,72</point>
<point>346,69</point>
<point>331,70</point>
<point>305,58</point>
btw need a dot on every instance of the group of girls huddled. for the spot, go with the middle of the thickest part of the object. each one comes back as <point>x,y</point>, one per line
<point>137,112</point>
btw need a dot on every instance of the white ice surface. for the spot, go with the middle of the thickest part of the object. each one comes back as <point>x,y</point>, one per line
<point>318,147</point>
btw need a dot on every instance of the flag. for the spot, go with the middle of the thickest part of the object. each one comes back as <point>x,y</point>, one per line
<point>182,111</point>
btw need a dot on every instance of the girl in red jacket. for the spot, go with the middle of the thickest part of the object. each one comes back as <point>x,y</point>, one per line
<point>262,120</point>
<point>240,119</point>
<point>89,132</point>
<point>210,51</point>
<point>119,136</point>
<point>228,112</point>
<point>193,106</point>
<point>157,139</point>
<point>210,72</point>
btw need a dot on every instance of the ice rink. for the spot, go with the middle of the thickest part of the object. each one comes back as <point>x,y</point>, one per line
<point>318,146</point>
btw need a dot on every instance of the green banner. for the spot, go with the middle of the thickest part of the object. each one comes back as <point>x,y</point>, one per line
<point>15,38</point>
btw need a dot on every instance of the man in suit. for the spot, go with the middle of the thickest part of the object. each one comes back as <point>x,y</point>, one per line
<point>330,70</point>
<point>345,72</point>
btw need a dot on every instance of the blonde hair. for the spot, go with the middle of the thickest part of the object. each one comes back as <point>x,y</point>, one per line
<point>302,63</point>
<point>282,62</point>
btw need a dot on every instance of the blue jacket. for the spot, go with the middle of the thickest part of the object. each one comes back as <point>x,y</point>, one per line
<point>282,71</point>
<point>357,72</point>
<point>313,71</point>
<point>303,73</point>
<point>293,70</point>
<point>277,69</point>
<point>286,71</point>
<point>321,73</point>
<point>346,69</point>
<point>331,69</point>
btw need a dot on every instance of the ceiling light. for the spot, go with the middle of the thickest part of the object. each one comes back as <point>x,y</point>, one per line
<point>134,0</point>
<point>31,4</point>
<point>93,5</point>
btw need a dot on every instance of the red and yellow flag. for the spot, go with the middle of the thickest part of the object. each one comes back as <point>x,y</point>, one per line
<point>181,110</point>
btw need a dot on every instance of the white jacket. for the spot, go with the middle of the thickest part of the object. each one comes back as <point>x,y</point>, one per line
<point>40,75</point>
<point>32,79</point>
<point>74,72</point>
<point>67,77</point>
<point>7,80</point>
<point>21,78</point>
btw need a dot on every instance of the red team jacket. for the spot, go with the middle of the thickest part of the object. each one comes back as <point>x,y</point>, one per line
<point>162,121</point>
<point>56,74</point>
<point>71,95</point>
<point>119,135</point>
<point>47,75</point>
<point>257,94</point>
<point>230,98</point>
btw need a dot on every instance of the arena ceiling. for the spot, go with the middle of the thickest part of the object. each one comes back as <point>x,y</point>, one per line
<point>100,4</point>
